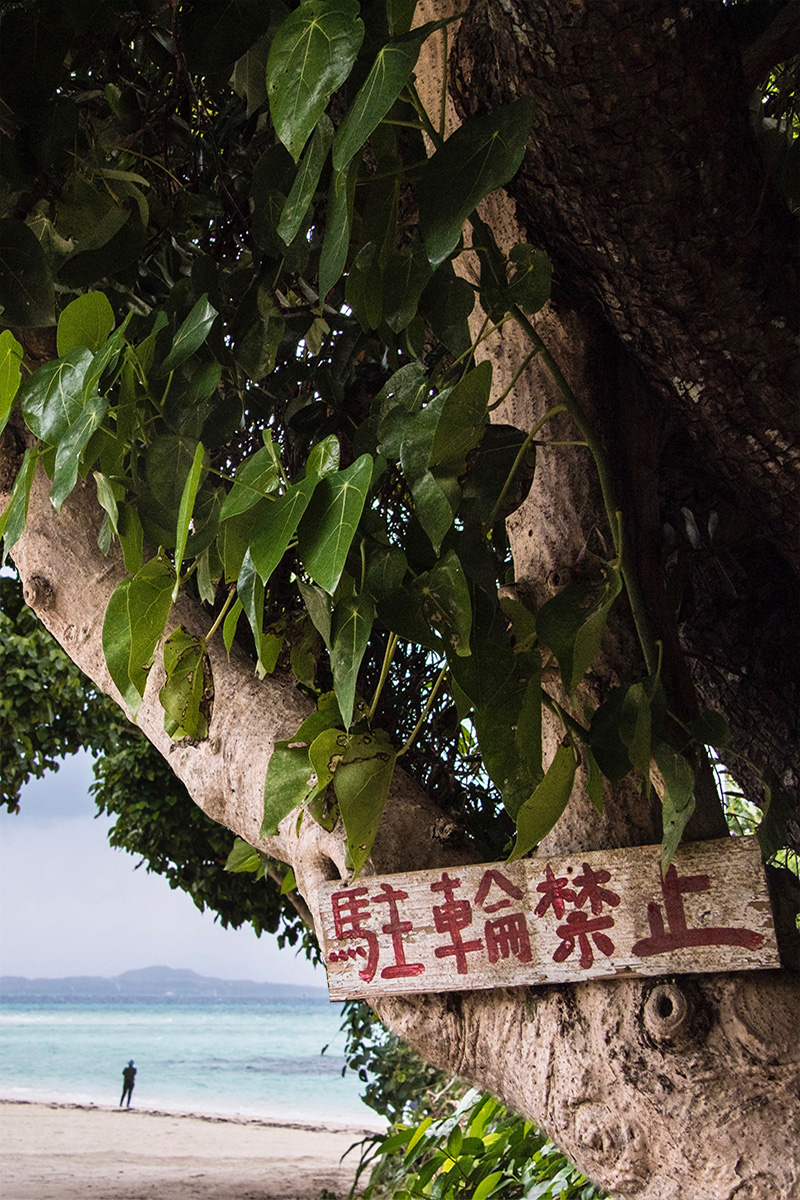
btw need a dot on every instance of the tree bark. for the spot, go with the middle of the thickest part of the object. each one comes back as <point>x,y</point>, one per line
<point>642,1083</point>
<point>669,333</point>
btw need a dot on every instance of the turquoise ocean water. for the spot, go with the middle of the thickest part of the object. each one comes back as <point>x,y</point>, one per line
<point>252,1059</point>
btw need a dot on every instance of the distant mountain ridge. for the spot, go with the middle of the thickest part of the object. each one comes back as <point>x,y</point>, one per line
<point>154,985</point>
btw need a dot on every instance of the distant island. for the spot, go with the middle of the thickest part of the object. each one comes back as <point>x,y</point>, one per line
<point>153,985</point>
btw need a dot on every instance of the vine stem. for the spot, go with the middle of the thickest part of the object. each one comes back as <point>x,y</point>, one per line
<point>629,575</point>
<point>391,646</point>
<point>517,375</point>
<point>428,705</point>
<point>221,616</point>
<point>523,450</point>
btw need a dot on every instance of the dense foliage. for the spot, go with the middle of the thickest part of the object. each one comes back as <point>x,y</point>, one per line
<point>231,217</point>
<point>276,396</point>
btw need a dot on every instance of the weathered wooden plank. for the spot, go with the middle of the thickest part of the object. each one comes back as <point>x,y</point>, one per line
<point>591,915</point>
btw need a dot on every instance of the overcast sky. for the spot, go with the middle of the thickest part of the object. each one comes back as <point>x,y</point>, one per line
<point>72,905</point>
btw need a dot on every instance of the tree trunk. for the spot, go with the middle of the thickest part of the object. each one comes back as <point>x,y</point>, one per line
<point>663,321</point>
<point>652,1087</point>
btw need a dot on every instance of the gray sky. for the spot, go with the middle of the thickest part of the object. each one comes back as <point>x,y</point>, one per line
<point>72,905</point>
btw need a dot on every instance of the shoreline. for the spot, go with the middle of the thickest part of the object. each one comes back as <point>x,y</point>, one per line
<point>65,1151</point>
<point>318,1126</point>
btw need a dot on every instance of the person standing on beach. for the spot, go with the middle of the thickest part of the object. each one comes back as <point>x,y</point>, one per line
<point>128,1076</point>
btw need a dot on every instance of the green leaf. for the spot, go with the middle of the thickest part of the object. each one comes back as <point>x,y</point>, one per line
<point>310,57</point>
<point>27,295</point>
<point>405,276</point>
<point>505,690</point>
<point>72,444</point>
<point>251,593</point>
<point>12,522</point>
<point>488,1185</point>
<point>529,286</point>
<point>635,728</point>
<point>327,716</point>
<point>461,419</point>
<point>539,814</point>
<point>230,623</point>
<point>52,398</point>
<point>325,753</point>
<point>446,304</point>
<point>289,882</point>
<point>191,335</point>
<point>275,527</point>
<point>299,199</point>
<point>336,242</point>
<point>324,458</point>
<point>242,857</point>
<point>318,604</point>
<point>481,156</point>
<point>387,77</point>
<point>133,626</point>
<point>329,525</point>
<point>183,691</point>
<point>107,499</point>
<point>256,477</point>
<point>287,785</point>
<point>350,630</point>
<point>185,511</point>
<point>386,570</point>
<point>436,498</point>
<point>677,799</point>
<point>87,321</point>
<point>361,782</point>
<point>572,624</point>
<point>446,603</point>
<point>594,781</point>
<point>10,374</point>
<point>131,538</point>
<point>168,465</point>
<point>710,728</point>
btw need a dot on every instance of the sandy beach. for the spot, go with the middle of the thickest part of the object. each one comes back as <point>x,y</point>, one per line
<point>75,1152</point>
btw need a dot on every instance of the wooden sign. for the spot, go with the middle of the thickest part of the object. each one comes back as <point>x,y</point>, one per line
<point>542,920</point>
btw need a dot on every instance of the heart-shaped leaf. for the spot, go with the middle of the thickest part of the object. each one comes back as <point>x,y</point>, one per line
<point>572,623</point>
<point>258,476</point>
<point>350,630</point>
<point>538,815</point>
<point>52,398</point>
<point>134,623</point>
<point>182,696</point>
<point>72,444</point>
<point>10,374</point>
<point>361,782</point>
<point>275,526</point>
<point>87,321</point>
<point>387,77</point>
<point>191,335</point>
<point>328,526</point>
<point>310,57</point>
<point>287,785</point>
<point>481,156</point>
<point>305,183</point>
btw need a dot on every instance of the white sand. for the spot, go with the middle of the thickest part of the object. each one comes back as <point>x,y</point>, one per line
<point>75,1152</point>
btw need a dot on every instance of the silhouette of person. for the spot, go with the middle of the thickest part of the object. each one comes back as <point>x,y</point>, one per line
<point>128,1076</point>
